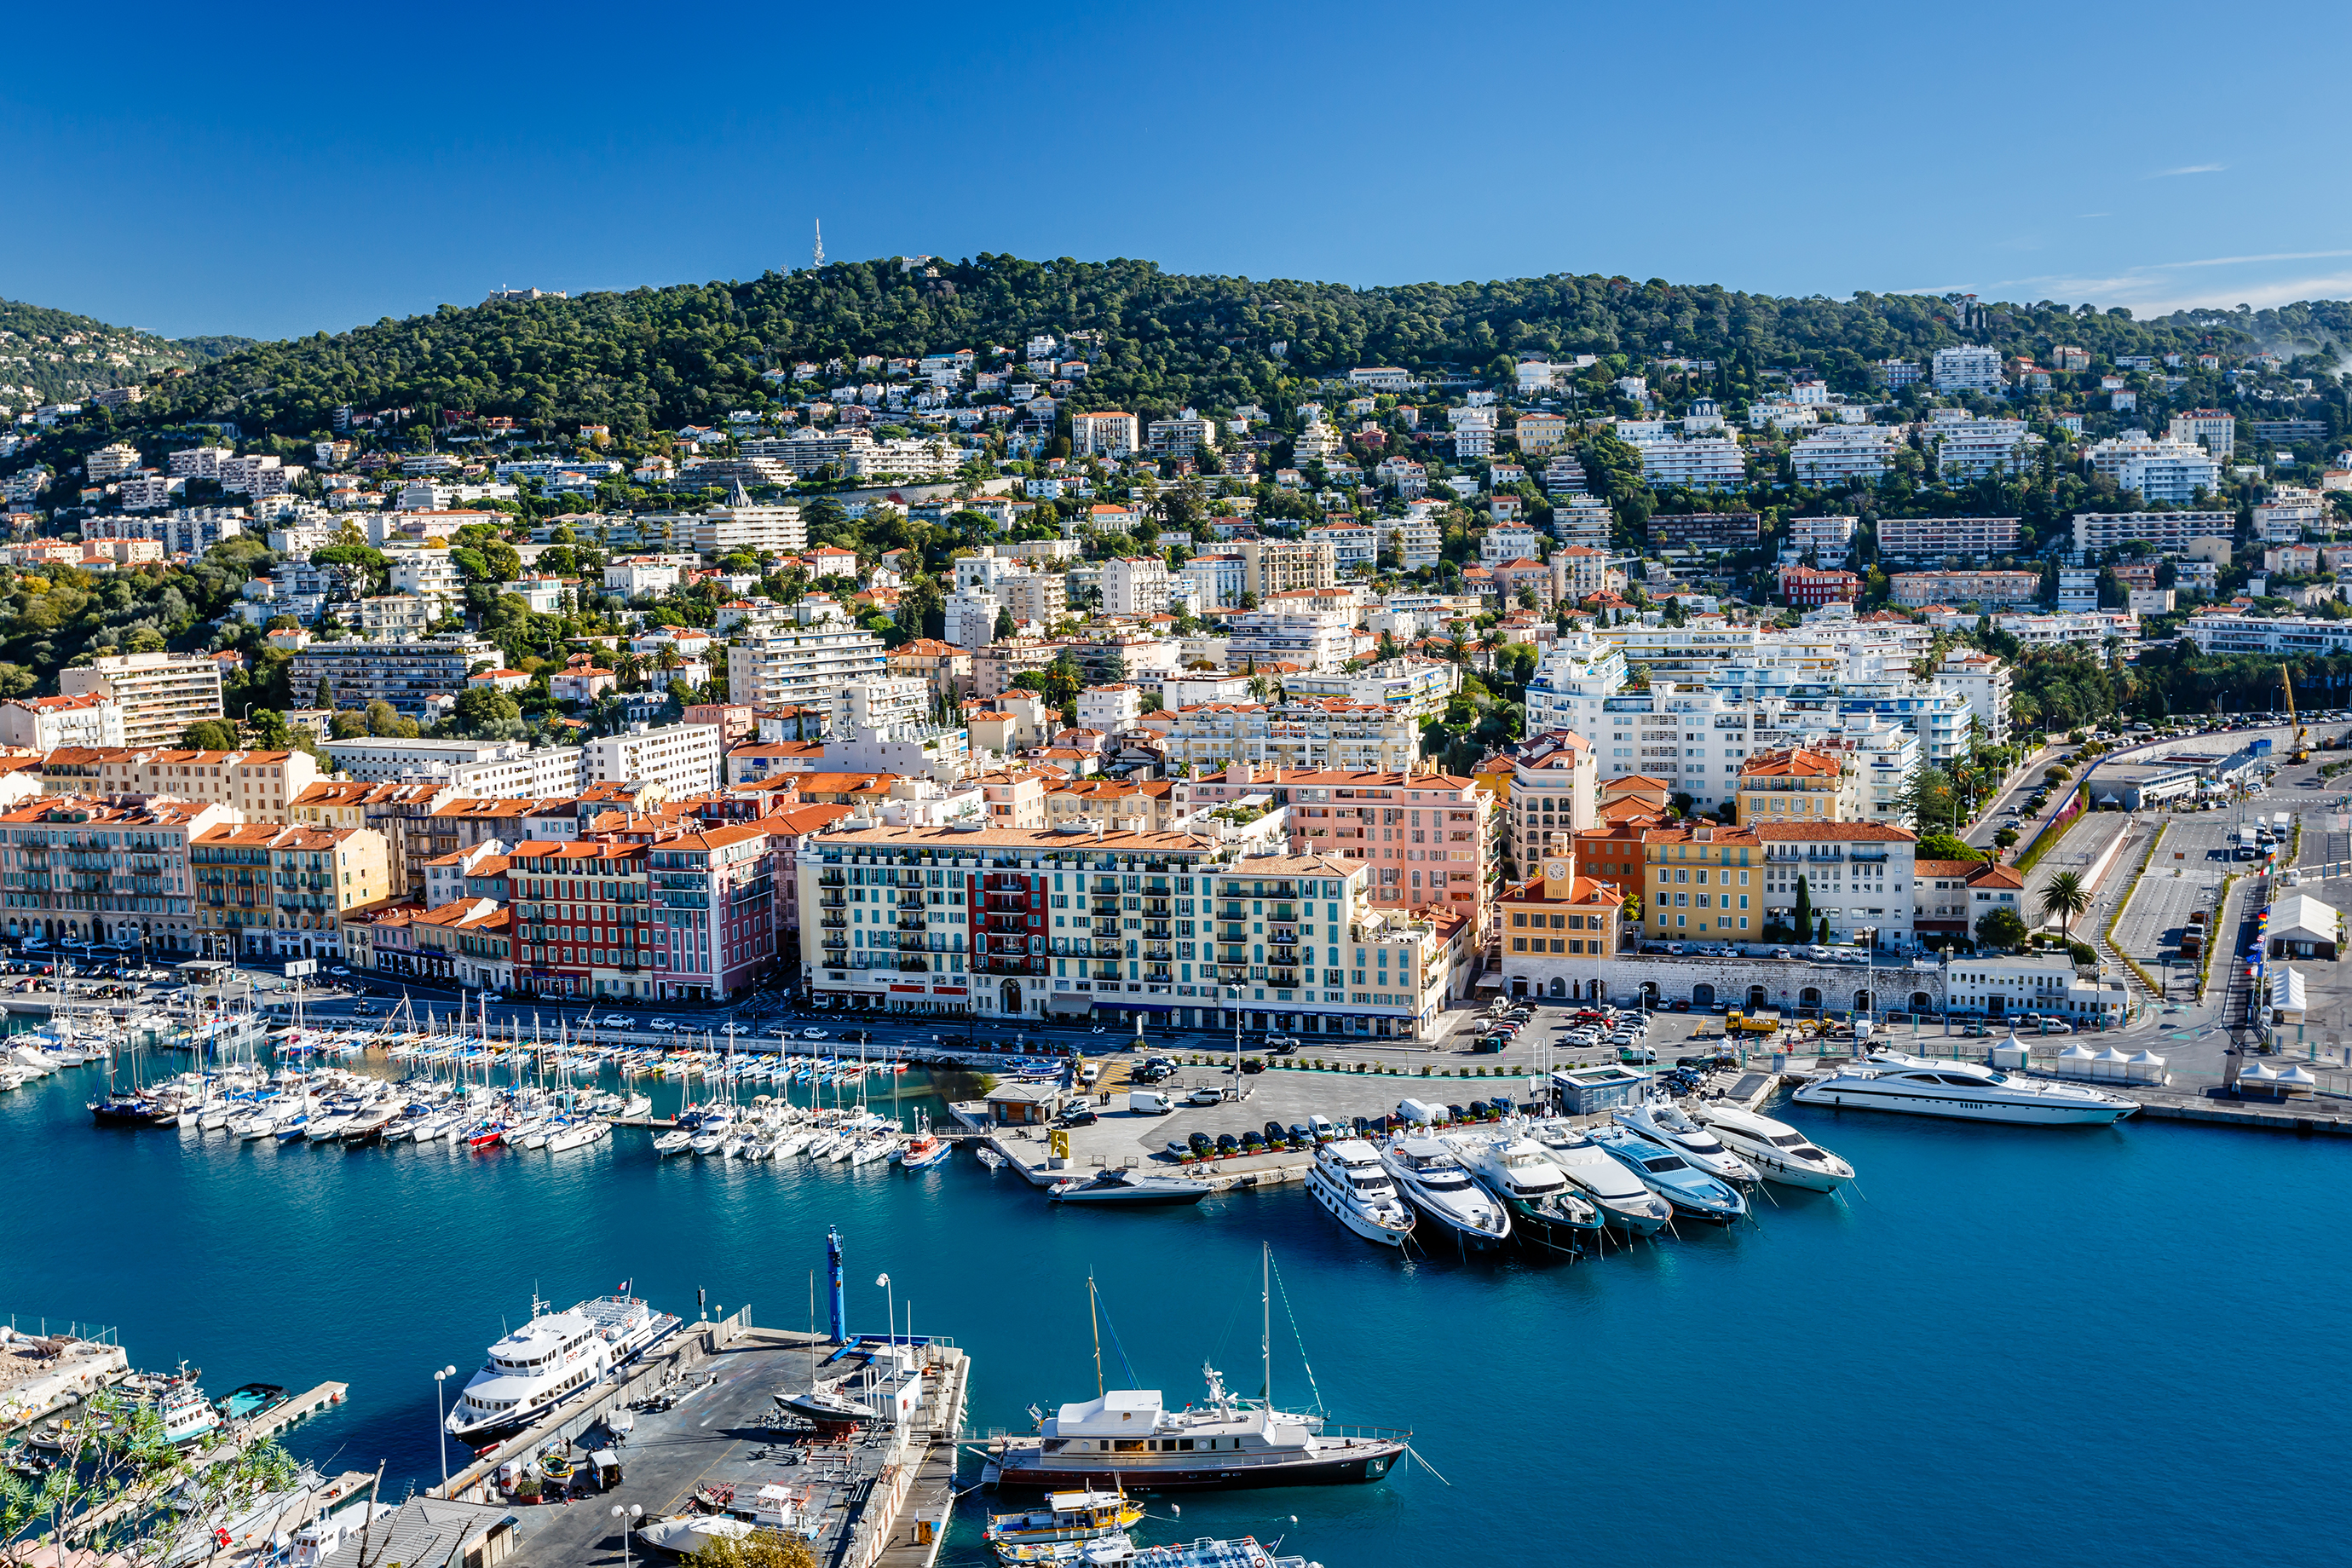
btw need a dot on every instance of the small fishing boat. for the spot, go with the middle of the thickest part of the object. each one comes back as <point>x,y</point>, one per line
<point>992,1159</point>
<point>1087,1515</point>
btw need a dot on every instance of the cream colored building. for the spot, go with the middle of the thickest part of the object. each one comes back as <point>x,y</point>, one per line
<point>1279,566</point>
<point>259,786</point>
<point>161,694</point>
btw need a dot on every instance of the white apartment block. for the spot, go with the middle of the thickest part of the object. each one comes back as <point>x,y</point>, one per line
<point>2290,513</point>
<point>761,530</point>
<point>2170,532</point>
<point>427,572</point>
<point>1828,540</point>
<point>1220,580</point>
<point>1703,462</point>
<point>1135,585</point>
<point>972,618</point>
<point>1325,732</point>
<point>2086,630</point>
<point>1982,681</point>
<point>1353,545</point>
<point>159,694</point>
<point>45,723</point>
<point>1967,368</point>
<point>2177,474</point>
<point>1933,538</point>
<point>1501,546</point>
<point>887,706</point>
<point>1972,449</point>
<point>685,759</point>
<point>1381,378</point>
<point>2219,631</point>
<point>1108,434</point>
<point>1417,543</point>
<point>1842,454</point>
<point>800,665</point>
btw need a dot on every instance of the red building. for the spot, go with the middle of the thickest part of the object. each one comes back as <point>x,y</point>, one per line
<point>1809,587</point>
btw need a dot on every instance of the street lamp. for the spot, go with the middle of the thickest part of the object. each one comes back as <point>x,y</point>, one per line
<point>892,1296</point>
<point>628,1516</point>
<point>440,1423</point>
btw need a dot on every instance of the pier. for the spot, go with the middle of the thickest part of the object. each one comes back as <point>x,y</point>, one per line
<point>703,1431</point>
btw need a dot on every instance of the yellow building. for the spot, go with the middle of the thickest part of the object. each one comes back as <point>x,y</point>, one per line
<point>1799,785</point>
<point>271,889</point>
<point>1557,927</point>
<point>1539,433</point>
<point>1702,884</point>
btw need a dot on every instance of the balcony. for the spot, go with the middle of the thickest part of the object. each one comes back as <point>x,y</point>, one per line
<point>912,922</point>
<point>1156,929</point>
<point>1106,906</point>
<point>1155,907</point>
<point>1281,932</point>
<point>914,963</point>
<point>833,923</point>
<point>1282,955</point>
<point>1157,950</point>
<point>1159,972</point>
<point>1283,976</point>
<point>835,939</point>
<point>833,900</point>
<point>831,879</point>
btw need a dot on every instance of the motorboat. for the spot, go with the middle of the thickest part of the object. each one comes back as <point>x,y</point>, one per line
<point>680,1142</point>
<point>549,1360</point>
<point>1087,1515</point>
<point>1348,1179</point>
<point>188,1417</point>
<point>1664,1122</point>
<point>1433,1180</point>
<point>1102,1552</point>
<point>579,1134</point>
<point>1664,1172</point>
<point>1621,1199</point>
<point>924,1150</point>
<point>1546,1208</point>
<point>1964,1092</point>
<point>1776,1149</point>
<point>1126,1186</point>
<point>827,1405</point>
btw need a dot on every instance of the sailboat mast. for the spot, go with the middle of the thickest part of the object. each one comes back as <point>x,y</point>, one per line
<point>1093,1315</point>
<point>1265,1322</point>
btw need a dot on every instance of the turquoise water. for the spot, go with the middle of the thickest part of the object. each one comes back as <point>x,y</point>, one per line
<point>2048,1346</point>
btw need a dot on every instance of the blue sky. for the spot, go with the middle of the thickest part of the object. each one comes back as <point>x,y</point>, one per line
<point>273,172</point>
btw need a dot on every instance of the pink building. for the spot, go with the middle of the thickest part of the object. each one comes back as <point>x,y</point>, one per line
<point>712,908</point>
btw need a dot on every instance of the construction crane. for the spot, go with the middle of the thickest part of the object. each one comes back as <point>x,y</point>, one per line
<point>2301,750</point>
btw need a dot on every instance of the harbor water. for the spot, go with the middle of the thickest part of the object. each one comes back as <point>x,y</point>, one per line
<point>2041,1346</point>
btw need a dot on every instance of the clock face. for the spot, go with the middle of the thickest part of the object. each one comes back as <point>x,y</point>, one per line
<point>1555,870</point>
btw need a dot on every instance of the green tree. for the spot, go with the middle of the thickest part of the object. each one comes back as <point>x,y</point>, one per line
<point>2067,898</point>
<point>210,735</point>
<point>1005,625</point>
<point>1804,917</point>
<point>384,719</point>
<point>2001,929</point>
<point>270,730</point>
<point>486,713</point>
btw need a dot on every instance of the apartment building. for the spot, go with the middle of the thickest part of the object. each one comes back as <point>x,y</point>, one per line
<point>1803,587</point>
<point>1135,585</point>
<point>2290,513</point>
<point>77,868</point>
<point>159,694</point>
<point>2211,428</point>
<point>1966,367</point>
<point>1555,788</point>
<point>1309,636</point>
<point>2176,474</point>
<point>1107,433</point>
<point>682,759</point>
<point>1184,437</point>
<point>1799,785</point>
<point>1933,538</point>
<point>1859,877</point>
<point>1982,681</point>
<point>1973,449</point>
<point>777,530</point>
<point>405,672</point>
<point>1844,453</point>
<point>2170,532</point>
<point>1428,836</point>
<point>276,890</point>
<point>2221,631</point>
<point>1417,542</point>
<point>46,723</point>
<point>254,784</point>
<point>1706,531</point>
<point>1277,565</point>
<point>799,665</point>
<point>1692,462</point>
<point>1916,590</point>
<point>1332,733</point>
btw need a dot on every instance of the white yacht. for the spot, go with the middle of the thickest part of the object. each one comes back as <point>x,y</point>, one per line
<point>1545,1211</point>
<point>1781,1152</point>
<point>1434,1182</point>
<point>1966,1091</point>
<point>1347,1181</point>
<point>1663,1122</point>
<point>549,1360</point>
<point>1626,1201</point>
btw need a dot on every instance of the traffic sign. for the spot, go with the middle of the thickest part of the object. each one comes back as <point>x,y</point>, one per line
<point>296,967</point>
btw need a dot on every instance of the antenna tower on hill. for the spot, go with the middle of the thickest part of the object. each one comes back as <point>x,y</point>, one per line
<point>819,255</point>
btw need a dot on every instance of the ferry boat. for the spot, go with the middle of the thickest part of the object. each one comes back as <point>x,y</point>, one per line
<point>1965,1092</point>
<point>1348,1180</point>
<point>552,1358</point>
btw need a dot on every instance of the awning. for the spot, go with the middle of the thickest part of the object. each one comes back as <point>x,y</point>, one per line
<point>1070,1004</point>
<point>1138,1006</point>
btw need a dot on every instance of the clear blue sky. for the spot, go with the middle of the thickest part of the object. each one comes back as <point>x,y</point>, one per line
<point>277,171</point>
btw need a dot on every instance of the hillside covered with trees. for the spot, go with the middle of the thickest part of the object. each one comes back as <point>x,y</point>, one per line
<point>651,358</point>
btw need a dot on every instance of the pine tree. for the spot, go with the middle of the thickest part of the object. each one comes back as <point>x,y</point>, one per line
<point>1804,910</point>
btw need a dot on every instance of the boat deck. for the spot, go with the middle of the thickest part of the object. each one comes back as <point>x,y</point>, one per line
<point>877,1499</point>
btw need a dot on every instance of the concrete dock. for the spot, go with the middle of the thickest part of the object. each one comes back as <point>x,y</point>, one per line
<point>871,1498</point>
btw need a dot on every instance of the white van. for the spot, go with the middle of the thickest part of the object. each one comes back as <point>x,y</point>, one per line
<point>1147,1103</point>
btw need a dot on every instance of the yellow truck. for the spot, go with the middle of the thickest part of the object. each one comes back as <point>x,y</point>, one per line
<point>1763,1021</point>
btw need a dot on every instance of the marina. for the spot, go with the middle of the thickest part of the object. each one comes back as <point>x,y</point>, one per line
<point>674,1226</point>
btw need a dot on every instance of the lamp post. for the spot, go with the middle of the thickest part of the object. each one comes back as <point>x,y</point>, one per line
<point>440,1423</point>
<point>891,1294</point>
<point>628,1516</point>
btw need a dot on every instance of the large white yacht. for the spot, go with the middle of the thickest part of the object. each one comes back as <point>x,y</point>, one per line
<point>551,1359</point>
<point>1663,1122</point>
<point>1784,1154</point>
<point>1623,1200</point>
<point>1545,1211</point>
<point>1347,1181</point>
<point>1966,1091</point>
<point>1434,1181</point>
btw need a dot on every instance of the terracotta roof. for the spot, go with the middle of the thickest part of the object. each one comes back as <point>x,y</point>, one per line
<point>1872,832</point>
<point>1944,868</point>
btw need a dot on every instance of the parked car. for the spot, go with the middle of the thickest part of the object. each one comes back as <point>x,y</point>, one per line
<point>812,1033</point>
<point>1205,1095</point>
<point>1252,1065</point>
<point>1202,1145</point>
<point>1227,1144</point>
<point>1078,1116</point>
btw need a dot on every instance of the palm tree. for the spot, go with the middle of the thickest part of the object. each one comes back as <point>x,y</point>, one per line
<point>667,658</point>
<point>626,665</point>
<point>2066,898</point>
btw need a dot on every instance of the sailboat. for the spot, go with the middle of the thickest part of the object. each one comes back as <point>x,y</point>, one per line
<point>1126,1440</point>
